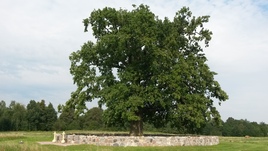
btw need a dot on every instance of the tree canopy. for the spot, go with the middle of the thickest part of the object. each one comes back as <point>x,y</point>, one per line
<point>146,69</point>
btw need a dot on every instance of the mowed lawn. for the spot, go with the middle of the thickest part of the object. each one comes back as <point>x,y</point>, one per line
<point>28,141</point>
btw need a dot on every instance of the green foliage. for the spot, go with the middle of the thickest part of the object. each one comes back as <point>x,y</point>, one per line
<point>93,120</point>
<point>5,117</point>
<point>213,129</point>
<point>12,117</point>
<point>33,115</point>
<point>241,127</point>
<point>146,69</point>
<point>67,120</point>
<point>51,116</point>
<point>15,117</point>
<point>5,123</point>
<point>40,116</point>
<point>18,118</point>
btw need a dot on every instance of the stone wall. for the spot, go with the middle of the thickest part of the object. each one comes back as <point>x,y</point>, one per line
<point>138,141</point>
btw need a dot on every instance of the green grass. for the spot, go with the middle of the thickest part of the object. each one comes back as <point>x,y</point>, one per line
<point>10,141</point>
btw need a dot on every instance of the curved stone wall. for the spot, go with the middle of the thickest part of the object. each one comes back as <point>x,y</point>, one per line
<point>137,141</point>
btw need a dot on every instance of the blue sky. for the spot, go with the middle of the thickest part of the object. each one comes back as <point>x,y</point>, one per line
<point>37,38</point>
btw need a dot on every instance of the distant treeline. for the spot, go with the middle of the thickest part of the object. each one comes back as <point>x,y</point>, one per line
<point>37,116</point>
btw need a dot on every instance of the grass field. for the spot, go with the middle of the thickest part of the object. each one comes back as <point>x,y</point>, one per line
<point>28,141</point>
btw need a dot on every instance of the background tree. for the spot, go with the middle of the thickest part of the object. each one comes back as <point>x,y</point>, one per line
<point>33,115</point>
<point>51,117</point>
<point>233,127</point>
<point>254,129</point>
<point>2,107</point>
<point>47,116</point>
<point>40,116</point>
<point>93,120</point>
<point>18,117</point>
<point>67,119</point>
<point>212,128</point>
<point>5,117</point>
<point>263,129</point>
<point>144,69</point>
<point>228,127</point>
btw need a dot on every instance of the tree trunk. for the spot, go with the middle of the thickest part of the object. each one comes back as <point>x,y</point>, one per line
<point>136,128</point>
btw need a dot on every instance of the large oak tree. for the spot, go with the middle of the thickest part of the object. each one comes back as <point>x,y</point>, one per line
<point>146,69</point>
